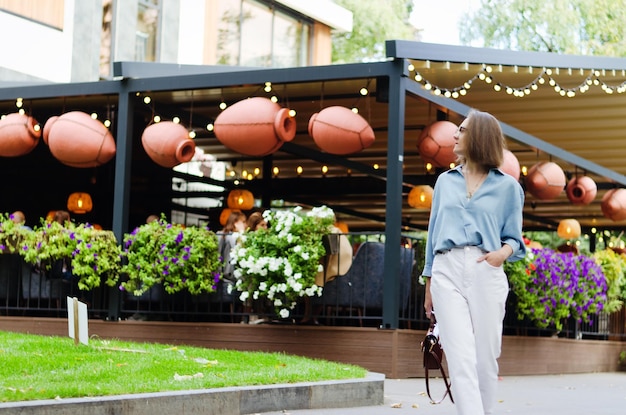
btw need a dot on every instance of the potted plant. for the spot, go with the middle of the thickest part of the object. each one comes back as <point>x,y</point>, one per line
<point>93,254</point>
<point>172,256</point>
<point>613,266</point>
<point>11,234</point>
<point>280,263</point>
<point>551,286</point>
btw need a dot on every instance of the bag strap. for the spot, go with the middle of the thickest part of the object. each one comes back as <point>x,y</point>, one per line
<point>446,381</point>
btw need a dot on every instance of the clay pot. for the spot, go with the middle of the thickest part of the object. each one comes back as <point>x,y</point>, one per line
<point>19,135</point>
<point>254,127</point>
<point>545,180</point>
<point>338,130</point>
<point>510,165</point>
<point>77,140</point>
<point>581,190</point>
<point>613,204</point>
<point>168,144</point>
<point>436,143</point>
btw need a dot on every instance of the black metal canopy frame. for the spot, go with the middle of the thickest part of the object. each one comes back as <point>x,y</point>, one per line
<point>372,196</point>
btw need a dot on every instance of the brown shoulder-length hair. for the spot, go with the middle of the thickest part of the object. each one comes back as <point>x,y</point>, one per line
<point>235,216</point>
<point>484,141</point>
<point>254,219</point>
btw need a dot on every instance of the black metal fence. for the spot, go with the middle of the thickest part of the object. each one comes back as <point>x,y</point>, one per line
<point>352,299</point>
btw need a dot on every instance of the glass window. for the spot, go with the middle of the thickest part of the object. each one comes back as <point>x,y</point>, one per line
<point>256,35</point>
<point>228,32</point>
<point>251,33</point>
<point>287,37</point>
<point>146,35</point>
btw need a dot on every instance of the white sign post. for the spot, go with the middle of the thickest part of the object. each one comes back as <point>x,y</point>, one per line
<point>77,320</point>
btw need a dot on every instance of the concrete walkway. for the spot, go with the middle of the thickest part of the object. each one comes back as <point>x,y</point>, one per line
<point>578,394</point>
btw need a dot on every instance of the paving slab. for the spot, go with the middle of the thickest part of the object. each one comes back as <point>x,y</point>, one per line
<point>571,394</point>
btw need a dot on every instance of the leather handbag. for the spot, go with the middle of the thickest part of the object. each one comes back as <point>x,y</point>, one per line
<point>433,359</point>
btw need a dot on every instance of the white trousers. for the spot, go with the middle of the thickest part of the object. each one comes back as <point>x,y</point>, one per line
<point>469,301</point>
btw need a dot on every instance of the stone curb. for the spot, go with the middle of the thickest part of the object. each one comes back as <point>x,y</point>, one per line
<point>224,401</point>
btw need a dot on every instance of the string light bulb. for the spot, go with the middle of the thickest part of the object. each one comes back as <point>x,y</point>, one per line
<point>545,76</point>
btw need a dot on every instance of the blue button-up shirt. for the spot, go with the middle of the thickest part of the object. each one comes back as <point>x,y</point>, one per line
<point>490,218</point>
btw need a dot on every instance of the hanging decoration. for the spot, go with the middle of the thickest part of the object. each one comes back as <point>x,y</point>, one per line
<point>568,229</point>
<point>77,140</point>
<point>168,144</point>
<point>19,135</point>
<point>254,127</point>
<point>510,164</point>
<point>339,130</point>
<point>485,74</point>
<point>613,204</point>
<point>436,143</point>
<point>545,180</point>
<point>420,197</point>
<point>79,203</point>
<point>581,190</point>
<point>240,199</point>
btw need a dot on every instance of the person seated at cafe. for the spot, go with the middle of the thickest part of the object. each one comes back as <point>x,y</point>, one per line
<point>256,221</point>
<point>19,218</point>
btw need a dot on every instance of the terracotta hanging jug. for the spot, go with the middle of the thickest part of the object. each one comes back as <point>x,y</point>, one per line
<point>168,144</point>
<point>436,143</point>
<point>338,130</point>
<point>545,180</point>
<point>19,135</point>
<point>77,140</point>
<point>510,165</point>
<point>613,204</point>
<point>254,127</point>
<point>581,190</point>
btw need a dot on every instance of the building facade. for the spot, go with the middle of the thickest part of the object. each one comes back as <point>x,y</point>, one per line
<point>77,41</point>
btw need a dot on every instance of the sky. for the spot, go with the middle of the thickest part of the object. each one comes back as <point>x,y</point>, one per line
<point>439,19</point>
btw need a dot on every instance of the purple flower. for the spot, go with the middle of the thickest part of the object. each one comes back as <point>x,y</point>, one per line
<point>179,237</point>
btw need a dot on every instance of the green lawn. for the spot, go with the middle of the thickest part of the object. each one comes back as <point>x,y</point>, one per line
<point>44,367</point>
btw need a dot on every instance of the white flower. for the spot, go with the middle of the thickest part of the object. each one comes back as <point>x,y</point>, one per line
<point>305,256</point>
<point>244,295</point>
<point>284,313</point>
<point>312,290</point>
<point>263,286</point>
<point>278,302</point>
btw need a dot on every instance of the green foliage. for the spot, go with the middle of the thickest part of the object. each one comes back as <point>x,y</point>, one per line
<point>97,256</point>
<point>373,23</point>
<point>12,235</point>
<point>45,367</point>
<point>562,26</point>
<point>94,254</point>
<point>614,266</point>
<point>175,256</point>
<point>280,263</point>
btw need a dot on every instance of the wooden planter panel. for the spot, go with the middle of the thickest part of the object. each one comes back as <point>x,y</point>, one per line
<point>394,353</point>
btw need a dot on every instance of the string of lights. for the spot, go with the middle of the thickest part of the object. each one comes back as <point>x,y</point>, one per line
<point>486,74</point>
